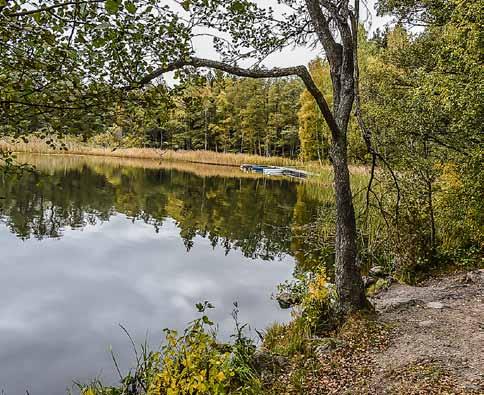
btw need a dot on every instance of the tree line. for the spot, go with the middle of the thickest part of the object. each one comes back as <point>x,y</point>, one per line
<point>224,114</point>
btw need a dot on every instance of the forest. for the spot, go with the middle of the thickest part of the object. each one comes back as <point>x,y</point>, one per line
<point>388,120</point>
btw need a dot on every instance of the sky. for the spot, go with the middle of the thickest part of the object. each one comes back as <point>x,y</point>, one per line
<point>300,55</point>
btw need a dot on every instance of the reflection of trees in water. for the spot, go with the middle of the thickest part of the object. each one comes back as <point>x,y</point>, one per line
<point>40,206</point>
<point>256,216</point>
<point>313,227</point>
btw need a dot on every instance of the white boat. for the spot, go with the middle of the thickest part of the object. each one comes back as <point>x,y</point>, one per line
<point>273,171</point>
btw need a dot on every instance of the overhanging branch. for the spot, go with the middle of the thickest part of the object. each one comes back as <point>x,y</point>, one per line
<point>228,68</point>
<point>300,71</point>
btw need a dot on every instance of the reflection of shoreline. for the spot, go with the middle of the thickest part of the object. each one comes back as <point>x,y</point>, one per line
<point>249,213</point>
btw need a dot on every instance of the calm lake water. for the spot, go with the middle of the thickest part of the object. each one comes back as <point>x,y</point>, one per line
<point>88,244</point>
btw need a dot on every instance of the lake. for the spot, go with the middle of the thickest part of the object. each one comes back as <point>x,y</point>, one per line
<point>90,243</point>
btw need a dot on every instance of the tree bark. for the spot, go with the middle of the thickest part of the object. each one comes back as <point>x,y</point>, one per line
<point>349,283</point>
<point>340,56</point>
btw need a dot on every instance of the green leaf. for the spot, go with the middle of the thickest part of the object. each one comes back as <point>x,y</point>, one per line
<point>130,7</point>
<point>98,42</point>
<point>237,6</point>
<point>37,17</point>
<point>186,4</point>
<point>112,6</point>
<point>206,320</point>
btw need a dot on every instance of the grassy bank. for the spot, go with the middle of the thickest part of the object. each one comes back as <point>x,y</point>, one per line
<point>36,145</point>
<point>155,158</point>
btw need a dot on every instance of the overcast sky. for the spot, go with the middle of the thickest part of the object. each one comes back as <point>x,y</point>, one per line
<point>289,56</point>
<point>296,56</point>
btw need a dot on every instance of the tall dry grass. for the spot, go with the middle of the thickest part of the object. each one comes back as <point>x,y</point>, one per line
<point>46,163</point>
<point>74,147</point>
<point>36,145</point>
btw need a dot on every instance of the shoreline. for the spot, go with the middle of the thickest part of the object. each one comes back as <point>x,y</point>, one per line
<point>195,156</point>
<point>42,161</point>
<point>208,158</point>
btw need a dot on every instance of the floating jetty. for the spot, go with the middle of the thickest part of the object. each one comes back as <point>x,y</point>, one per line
<point>275,171</point>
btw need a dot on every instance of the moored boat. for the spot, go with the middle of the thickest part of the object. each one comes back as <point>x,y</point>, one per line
<point>275,170</point>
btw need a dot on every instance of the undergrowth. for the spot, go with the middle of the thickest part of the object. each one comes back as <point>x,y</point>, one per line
<point>193,362</point>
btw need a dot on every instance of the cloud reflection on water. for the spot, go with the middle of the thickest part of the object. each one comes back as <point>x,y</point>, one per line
<point>62,299</point>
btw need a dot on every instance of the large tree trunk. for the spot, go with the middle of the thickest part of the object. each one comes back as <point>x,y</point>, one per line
<point>349,284</point>
<point>339,53</point>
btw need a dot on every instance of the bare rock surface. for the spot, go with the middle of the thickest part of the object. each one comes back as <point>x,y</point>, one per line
<point>440,323</point>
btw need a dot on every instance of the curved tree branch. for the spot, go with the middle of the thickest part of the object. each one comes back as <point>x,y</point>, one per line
<point>300,71</point>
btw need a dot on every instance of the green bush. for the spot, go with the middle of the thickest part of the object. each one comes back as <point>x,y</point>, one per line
<point>315,315</point>
<point>191,363</point>
<point>460,205</point>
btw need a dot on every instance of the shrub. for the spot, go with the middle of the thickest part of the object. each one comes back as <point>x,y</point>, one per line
<point>191,363</point>
<point>460,205</point>
<point>315,314</point>
<point>318,304</point>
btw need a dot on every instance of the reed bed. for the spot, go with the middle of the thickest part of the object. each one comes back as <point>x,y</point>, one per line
<point>48,162</point>
<point>36,145</point>
<point>74,147</point>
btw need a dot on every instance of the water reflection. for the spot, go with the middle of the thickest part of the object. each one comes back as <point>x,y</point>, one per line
<point>87,244</point>
<point>255,215</point>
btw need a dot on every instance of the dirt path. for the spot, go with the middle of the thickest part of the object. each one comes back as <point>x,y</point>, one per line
<point>437,337</point>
